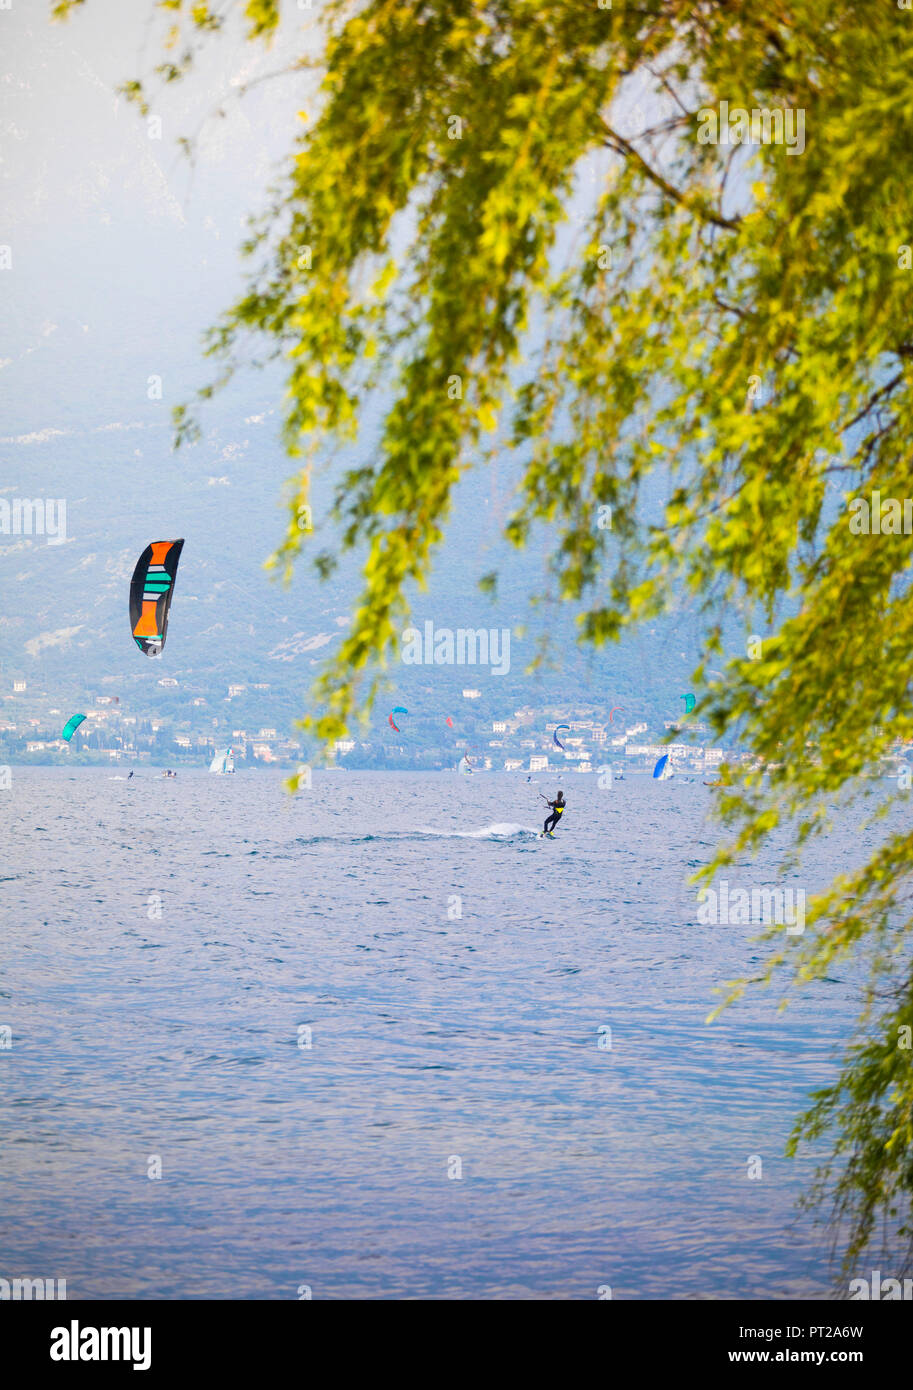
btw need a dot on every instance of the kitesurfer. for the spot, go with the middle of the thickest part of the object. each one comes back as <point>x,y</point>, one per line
<point>557,808</point>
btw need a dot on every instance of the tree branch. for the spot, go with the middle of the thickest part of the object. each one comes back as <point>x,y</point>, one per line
<point>624,147</point>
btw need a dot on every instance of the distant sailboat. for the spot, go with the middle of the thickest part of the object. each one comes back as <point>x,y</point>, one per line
<point>222,762</point>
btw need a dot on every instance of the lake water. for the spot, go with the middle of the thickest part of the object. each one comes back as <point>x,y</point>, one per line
<point>166,945</point>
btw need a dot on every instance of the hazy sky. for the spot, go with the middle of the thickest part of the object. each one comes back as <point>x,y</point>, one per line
<point>121,253</point>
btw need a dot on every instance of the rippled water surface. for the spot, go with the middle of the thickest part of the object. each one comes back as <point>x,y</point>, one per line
<point>165,944</point>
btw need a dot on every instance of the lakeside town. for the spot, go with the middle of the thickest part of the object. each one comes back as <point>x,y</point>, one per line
<point>530,739</point>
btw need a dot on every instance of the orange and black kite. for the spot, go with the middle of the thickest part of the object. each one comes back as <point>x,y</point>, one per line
<point>150,594</point>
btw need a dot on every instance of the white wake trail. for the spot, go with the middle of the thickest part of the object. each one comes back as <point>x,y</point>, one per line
<point>502,830</point>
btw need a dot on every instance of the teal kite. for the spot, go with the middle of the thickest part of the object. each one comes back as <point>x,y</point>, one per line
<point>71,726</point>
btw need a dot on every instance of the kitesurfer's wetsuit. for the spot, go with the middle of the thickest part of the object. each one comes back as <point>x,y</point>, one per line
<point>553,819</point>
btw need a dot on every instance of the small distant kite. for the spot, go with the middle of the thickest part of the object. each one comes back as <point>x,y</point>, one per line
<point>557,739</point>
<point>449,721</point>
<point>150,594</point>
<point>612,711</point>
<point>397,709</point>
<point>689,702</point>
<point>71,726</point>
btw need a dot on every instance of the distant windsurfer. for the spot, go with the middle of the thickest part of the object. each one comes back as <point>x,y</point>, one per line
<point>557,810</point>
